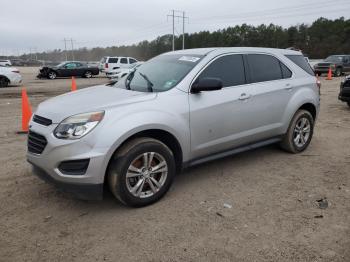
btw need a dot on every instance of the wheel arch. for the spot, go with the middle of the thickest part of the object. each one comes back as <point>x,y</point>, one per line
<point>310,108</point>
<point>159,134</point>
<point>6,78</point>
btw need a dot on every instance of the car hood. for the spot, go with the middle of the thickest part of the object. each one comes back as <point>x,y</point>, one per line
<point>89,99</point>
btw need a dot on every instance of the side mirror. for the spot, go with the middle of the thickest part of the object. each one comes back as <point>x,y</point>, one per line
<point>206,84</point>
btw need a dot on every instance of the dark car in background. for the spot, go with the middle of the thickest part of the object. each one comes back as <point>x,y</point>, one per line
<point>68,69</point>
<point>344,94</point>
<point>339,64</point>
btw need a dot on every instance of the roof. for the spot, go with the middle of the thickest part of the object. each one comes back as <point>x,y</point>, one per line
<point>205,51</point>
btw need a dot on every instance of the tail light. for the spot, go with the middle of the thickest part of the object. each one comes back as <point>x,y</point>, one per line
<point>318,83</point>
<point>106,65</point>
<point>15,71</point>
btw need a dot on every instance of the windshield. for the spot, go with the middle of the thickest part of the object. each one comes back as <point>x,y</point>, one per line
<point>334,58</point>
<point>161,73</point>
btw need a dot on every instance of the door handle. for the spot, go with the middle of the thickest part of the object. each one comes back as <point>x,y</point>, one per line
<point>244,96</point>
<point>288,86</point>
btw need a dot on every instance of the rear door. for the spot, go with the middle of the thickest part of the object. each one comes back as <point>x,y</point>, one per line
<point>124,63</point>
<point>270,88</point>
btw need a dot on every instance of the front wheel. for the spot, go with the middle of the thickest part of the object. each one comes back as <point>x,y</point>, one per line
<point>141,172</point>
<point>299,134</point>
<point>52,75</point>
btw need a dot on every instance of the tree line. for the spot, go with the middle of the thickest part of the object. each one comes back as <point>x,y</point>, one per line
<point>318,40</point>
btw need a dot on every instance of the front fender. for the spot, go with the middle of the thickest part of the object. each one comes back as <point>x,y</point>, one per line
<point>122,128</point>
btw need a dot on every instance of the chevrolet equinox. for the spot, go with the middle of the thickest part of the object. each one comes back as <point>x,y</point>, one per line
<point>177,110</point>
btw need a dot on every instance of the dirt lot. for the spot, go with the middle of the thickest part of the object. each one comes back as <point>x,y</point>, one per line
<point>274,216</point>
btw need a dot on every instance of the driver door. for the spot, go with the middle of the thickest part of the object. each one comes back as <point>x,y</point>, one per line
<point>217,117</point>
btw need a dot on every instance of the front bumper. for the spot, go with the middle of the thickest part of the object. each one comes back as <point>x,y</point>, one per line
<point>57,151</point>
<point>81,191</point>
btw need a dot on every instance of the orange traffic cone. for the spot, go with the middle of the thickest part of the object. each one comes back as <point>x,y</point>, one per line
<point>329,76</point>
<point>74,85</point>
<point>26,112</point>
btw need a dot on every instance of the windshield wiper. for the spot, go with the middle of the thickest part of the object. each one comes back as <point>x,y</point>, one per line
<point>149,83</point>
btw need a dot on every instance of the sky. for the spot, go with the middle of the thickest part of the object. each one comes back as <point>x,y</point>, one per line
<point>42,25</point>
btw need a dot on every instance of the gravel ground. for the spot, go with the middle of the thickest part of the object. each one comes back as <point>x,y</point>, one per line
<point>256,206</point>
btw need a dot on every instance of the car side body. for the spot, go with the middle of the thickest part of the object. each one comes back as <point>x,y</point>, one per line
<point>196,127</point>
<point>9,76</point>
<point>110,63</point>
<point>344,94</point>
<point>68,69</point>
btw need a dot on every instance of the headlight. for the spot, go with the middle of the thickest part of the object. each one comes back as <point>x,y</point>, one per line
<point>77,126</point>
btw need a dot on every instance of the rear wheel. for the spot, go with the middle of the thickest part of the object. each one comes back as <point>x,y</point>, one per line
<point>299,134</point>
<point>141,172</point>
<point>349,103</point>
<point>3,82</point>
<point>338,72</point>
<point>52,75</point>
<point>88,74</point>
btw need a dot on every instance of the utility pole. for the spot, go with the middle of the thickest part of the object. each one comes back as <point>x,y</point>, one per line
<point>71,41</point>
<point>183,30</point>
<point>65,48</point>
<point>183,17</point>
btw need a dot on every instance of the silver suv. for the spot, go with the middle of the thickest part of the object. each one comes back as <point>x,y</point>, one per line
<point>177,110</point>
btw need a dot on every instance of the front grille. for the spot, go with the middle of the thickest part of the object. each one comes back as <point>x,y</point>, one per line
<point>42,120</point>
<point>36,143</point>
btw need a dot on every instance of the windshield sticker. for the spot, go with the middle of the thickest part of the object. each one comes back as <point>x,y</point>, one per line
<point>192,59</point>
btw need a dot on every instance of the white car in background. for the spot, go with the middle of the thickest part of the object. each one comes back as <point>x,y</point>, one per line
<point>9,76</point>
<point>5,62</point>
<point>109,63</point>
<point>116,74</point>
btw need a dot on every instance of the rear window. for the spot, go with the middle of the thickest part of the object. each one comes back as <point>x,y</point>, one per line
<point>113,60</point>
<point>300,61</point>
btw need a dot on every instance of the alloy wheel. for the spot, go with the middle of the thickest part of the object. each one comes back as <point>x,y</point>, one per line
<point>146,174</point>
<point>302,132</point>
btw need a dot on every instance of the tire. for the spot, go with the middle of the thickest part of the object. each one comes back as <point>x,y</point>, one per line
<point>290,142</point>
<point>51,75</point>
<point>88,74</point>
<point>127,170</point>
<point>348,103</point>
<point>3,82</point>
<point>338,72</point>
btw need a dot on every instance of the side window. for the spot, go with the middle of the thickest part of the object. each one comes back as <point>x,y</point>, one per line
<point>123,60</point>
<point>113,60</point>
<point>230,69</point>
<point>286,73</point>
<point>70,66</point>
<point>264,68</point>
<point>132,61</point>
